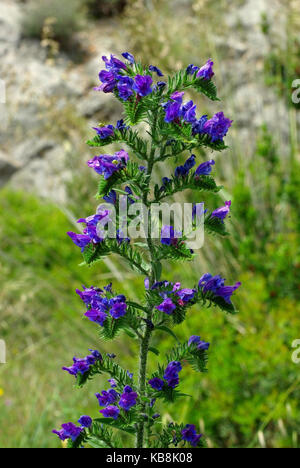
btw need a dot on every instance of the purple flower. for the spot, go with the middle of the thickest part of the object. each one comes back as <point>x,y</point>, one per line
<point>107,165</point>
<point>188,112</point>
<point>171,373</point>
<point>222,212</point>
<point>216,284</point>
<point>104,132</point>
<point>108,80</point>
<point>130,374</point>
<point>96,316</point>
<point>124,86</point>
<point>181,171</point>
<point>106,398</point>
<point>186,295</point>
<point>114,64</point>
<point>218,126</point>
<point>142,85</point>
<point>190,162</point>
<point>85,421</point>
<point>226,291</point>
<point>121,126</point>
<point>152,68</point>
<point>192,69</point>
<point>111,197</point>
<point>110,412</point>
<point>82,366</point>
<point>113,383</point>
<point>169,236</point>
<point>128,398</point>
<point>129,57</point>
<point>198,125</point>
<point>156,384</point>
<point>173,107</point>
<point>201,345</point>
<point>69,431</point>
<point>206,72</point>
<point>118,310</point>
<point>80,240</point>
<point>167,307</point>
<point>161,84</point>
<point>205,168</point>
<point>190,435</point>
<point>147,283</point>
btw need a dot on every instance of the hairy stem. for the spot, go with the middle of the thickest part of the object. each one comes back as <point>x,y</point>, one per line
<point>144,347</point>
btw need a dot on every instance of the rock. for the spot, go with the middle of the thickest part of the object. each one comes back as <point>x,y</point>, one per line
<point>31,149</point>
<point>10,29</point>
<point>7,168</point>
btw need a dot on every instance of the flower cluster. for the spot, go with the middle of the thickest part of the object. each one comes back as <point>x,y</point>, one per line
<point>107,165</point>
<point>91,231</point>
<point>222,212</point>
<point>206,72</point>
<point>82,366</point>
<point>216,284</point>
<point>198,343</point>
<point>109,130</point>
<point>100,303</point>
<point>190,435</point>
<point>119,78</point>
<point>177,112</point>
<point>173,296</point>
<point>126,401</point>
<point>171,377</point>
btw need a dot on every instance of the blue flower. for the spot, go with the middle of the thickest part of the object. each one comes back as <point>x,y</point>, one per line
<point>85,421</point>
<point>222,212</point>
<point>167,306</point>
<point>198,125</point>
<point>196,340</point>
<point>206,72</point>
<point>217,127</point>
<point>118,310</point>
<point>216,284</point>
<point>104,132</point>
<point>205,168</point>
<point>111,412</point>
<point>96,316</point>
<point>128,398</point>
<point>156,384</point>
<point>152,68</point>
<point>68,431</point>
<point>129,57</point>
<point>142,85</point>
<point>111,197</point>
<point>188,112</point>
<point>190,435</point>
<point>171,373</point>
<point>192,69</point>
<point>106,398</point>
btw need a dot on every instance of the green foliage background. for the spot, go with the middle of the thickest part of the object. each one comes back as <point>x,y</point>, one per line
<point>250,395</point>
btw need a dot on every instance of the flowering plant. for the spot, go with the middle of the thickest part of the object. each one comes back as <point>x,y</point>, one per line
<point>174,128</point>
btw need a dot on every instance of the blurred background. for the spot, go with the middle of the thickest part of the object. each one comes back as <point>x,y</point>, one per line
<point>50,58</point>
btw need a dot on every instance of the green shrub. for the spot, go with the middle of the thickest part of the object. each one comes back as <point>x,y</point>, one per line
<point>69,17</point>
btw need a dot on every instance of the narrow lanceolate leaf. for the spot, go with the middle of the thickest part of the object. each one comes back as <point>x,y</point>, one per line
<point>129,137</point>
<point>181,80</point>
<point>95,253</point>
<point>214,225</point>
<point>178,253</point>
<point>203,183</point>
<point>132,175</point>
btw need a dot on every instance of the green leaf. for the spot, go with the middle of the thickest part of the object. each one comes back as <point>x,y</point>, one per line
<point>167,330</point>
<point>116,425</point>
<point>154,351</point>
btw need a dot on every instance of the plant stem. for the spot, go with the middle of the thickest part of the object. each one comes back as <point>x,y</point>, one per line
<point>145,341</point>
